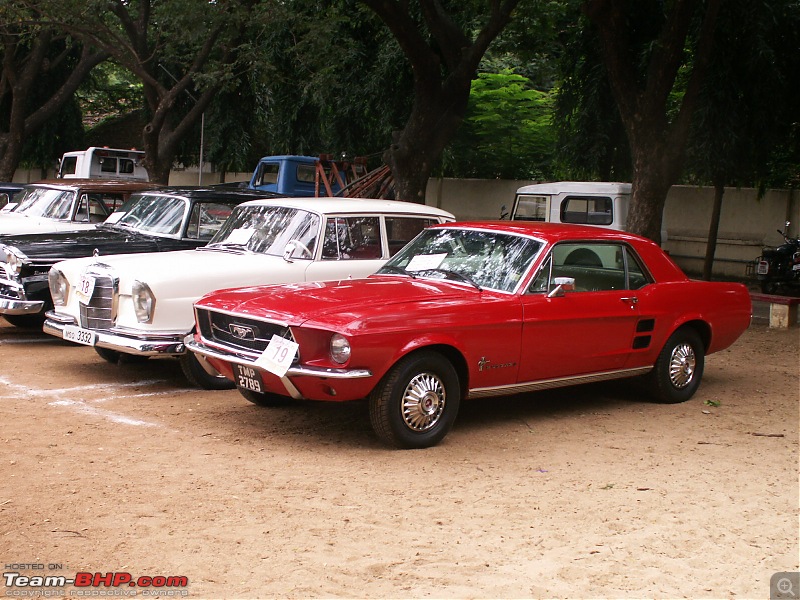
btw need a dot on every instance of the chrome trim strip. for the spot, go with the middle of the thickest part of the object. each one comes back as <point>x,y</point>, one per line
<point>241,315</point>
<point>144,345</point>
<point>294,371</point>
<point>17,285</point>
<point>547,384</point>
<point>20,307</point>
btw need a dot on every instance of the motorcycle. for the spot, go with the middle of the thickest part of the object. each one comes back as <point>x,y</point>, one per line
<point>778,269</point>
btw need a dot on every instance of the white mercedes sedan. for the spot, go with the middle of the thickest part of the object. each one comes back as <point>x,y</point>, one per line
<point>134,306</point>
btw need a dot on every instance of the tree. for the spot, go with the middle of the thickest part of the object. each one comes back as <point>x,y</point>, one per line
<point>183,52</point>
<point>41,69</point>
<point>746,107</point>
<point>329,80</point>
<point>507,131</point>
<point>656,56</point>
<point>444,59</point>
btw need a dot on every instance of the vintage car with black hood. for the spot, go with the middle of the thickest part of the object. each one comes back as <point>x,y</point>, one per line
<point>473,310</point>
<point>152,221</point>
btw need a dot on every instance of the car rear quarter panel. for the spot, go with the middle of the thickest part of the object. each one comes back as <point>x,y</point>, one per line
<point>720,311</point>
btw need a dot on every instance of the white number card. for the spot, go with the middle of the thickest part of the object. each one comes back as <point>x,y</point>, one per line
<point>85,289</point>
<point>278,356</point>
<point>421,262</point>
<point>239,236</point>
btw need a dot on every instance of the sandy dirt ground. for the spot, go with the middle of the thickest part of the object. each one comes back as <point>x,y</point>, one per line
<point>589,492</point>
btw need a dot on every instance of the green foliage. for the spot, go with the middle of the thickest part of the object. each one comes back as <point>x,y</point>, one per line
<point>507,133</point>
<point>336,81</point>
<point>109,92</point>
<point>745,129</point>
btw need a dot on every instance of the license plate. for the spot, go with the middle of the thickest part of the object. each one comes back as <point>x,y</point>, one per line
<point>763,268</point>
<point>248,378</point>
<point>79,335</point>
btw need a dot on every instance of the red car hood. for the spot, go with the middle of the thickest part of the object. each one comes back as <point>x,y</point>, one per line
<point>341,304</point>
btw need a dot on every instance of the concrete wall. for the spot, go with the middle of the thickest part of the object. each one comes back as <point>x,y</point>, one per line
<point>746,224</point>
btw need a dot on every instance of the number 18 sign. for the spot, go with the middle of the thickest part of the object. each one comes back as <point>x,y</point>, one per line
<point>278,356</point>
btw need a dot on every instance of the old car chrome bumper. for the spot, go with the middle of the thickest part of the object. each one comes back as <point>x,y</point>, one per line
<point>128,342</point>
<point>294,371</point>
<point>13,301</point>
<point>20,307</point>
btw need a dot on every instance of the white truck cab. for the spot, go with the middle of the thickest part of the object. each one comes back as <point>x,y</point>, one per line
<point>583,202</point>
<point>103,163</point>
<point>600,203</point>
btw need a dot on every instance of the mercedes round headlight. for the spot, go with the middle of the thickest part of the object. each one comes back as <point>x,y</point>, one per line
<point>144,301</point>
<point>13,258</point>
<point>340,348</point>
<point>59,286</point>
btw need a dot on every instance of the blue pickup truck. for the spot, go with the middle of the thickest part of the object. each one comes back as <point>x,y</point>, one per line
<point>297,175</point>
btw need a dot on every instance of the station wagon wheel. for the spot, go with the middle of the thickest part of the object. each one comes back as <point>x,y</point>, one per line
<point>26,321</point>
<point>679,367</point>
<point>416,402</point>
<point>264,398</point>
<point>198,376</point>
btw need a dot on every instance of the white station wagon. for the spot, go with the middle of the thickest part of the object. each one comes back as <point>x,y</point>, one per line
<point>140,305</point>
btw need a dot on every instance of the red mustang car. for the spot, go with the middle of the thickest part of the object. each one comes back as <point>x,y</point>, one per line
<point>469,310</point>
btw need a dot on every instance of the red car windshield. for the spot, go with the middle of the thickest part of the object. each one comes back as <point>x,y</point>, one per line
<point>485,259</point>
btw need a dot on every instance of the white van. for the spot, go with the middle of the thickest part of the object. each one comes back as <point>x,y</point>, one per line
<point>600,203</point>
<point>103,163</point>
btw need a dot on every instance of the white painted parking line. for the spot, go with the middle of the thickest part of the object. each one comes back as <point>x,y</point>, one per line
<point>65,397</point>
<point>63,391</point>
<point>104,414</point>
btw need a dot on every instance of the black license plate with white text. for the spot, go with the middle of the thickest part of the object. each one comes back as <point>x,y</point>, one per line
<point>248,378</point>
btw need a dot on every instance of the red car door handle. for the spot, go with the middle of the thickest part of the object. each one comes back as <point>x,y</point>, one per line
<point>631,300</point>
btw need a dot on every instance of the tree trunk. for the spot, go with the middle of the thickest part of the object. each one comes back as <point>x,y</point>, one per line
<point>22,69</point>
<point>444,59</point>
<point>429,128</point>
<point>654,170</point>
<point>657,138</point>
<point>713,229</point>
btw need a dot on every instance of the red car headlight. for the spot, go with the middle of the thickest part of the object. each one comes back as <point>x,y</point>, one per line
<point>340,348</point>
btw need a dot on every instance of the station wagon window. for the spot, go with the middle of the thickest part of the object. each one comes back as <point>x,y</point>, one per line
<point>531,208</point>
<point>207,219</point>
<point>595,267</point>
<point>401,230</point>
<point>587,210</point>
<point>92,209</point>
<point>153,213</point>
<point>46,202</point>
<point>349,238</point>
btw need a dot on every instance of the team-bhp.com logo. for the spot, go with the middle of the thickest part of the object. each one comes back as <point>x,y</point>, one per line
<point>18,585</point>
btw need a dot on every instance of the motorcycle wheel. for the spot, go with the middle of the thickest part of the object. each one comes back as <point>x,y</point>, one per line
<point>769,286</point>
